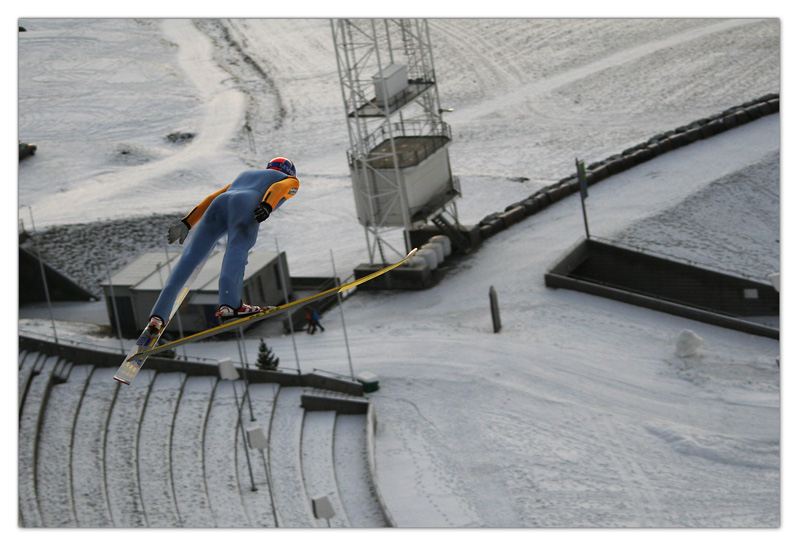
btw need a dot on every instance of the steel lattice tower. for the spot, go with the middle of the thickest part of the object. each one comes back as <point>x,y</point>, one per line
<point>398,154</point>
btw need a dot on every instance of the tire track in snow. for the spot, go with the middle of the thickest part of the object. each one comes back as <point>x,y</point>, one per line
<point>477,53</point>
<point>506,101</point>
<point>637,486</point>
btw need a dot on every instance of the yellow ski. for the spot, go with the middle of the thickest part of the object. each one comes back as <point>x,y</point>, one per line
<point>268,313</point>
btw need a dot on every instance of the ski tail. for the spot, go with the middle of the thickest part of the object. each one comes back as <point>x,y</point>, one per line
<point>131,365</point>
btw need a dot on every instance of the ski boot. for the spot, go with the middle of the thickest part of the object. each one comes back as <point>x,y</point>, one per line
<point>155,325</point>
<point>227,312</point>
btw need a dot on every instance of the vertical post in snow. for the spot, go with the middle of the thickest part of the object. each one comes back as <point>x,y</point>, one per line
<point>495,310</point>
<point>584,190</point>
<point>178,312</point>
<point>243,361</point>
<point>243,357</point>
<point>243,348</point>
<point>344,328</point>
<point>286,298</point>
<point>228,372</point>
<point>114,305</point>
<point>44,278</point>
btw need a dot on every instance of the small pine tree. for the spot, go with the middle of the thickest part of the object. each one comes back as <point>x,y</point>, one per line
<point>266,358</point>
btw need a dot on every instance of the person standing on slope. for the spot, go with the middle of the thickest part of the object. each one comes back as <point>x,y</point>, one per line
<point>312,316</point>
<point>238,210</point>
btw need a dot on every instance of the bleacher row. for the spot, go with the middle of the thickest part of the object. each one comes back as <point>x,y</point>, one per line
<point>169,452</point>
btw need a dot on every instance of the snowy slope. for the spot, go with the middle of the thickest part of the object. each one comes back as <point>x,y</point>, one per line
<point>578,414</point>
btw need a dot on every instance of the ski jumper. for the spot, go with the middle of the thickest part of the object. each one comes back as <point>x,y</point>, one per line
<point>230,210</point>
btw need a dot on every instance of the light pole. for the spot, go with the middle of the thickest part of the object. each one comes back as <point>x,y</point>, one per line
<point>44,278</point>
<point>227,371</point>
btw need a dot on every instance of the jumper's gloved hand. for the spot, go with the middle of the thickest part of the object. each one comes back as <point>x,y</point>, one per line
<point>262,212</point>
<point>177,232</point>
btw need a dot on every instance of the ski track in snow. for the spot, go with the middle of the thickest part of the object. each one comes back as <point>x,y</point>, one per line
<point>533,90</point>
<point>643,497</point>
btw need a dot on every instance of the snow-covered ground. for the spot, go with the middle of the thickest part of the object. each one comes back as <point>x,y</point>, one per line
<point>578,413</point>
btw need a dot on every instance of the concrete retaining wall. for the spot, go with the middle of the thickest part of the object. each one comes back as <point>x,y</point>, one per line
<point>104,359</point>
<point>666,285</point>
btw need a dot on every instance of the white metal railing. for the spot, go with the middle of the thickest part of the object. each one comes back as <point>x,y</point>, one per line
<point>405,128</point>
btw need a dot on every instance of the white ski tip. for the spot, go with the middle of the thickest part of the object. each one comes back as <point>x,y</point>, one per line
<point>412,253</point>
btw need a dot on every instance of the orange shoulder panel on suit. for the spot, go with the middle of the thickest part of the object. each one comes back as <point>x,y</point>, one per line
<point>193,217</point>
<point>284,189</point>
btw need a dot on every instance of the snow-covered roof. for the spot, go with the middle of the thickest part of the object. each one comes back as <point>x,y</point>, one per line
<point>150,270</point>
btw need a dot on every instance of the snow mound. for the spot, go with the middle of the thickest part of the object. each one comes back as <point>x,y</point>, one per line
<point>688,344</point>
<point>717,448</point>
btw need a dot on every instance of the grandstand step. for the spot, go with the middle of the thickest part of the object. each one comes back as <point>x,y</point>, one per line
<point>39,362</point>
<point>219,454</point>
<point>291,501</point>
<point>33,410</point>
<point>191,495</point>
<point>53,467</point>
<point>318,469</point>
<point>171,452</point>
<point>88,458</point>
<point>352,472</point>
<point>122,474</point>
<point>154,455</point>
<point>61,372</point>
<point>26,368</point>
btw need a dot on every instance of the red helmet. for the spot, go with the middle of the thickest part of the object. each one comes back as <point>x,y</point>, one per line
<point>282,164</point>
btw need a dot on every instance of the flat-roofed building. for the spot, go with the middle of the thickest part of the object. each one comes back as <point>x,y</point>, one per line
<point>134,289</point>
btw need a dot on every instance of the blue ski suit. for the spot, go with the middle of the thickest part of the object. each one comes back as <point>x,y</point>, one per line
<point>230,210</point>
